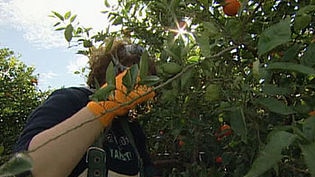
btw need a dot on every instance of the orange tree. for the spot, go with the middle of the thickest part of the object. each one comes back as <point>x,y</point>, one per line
<point>18,96</point>
<point>235,90</point>
<point>237,87</point>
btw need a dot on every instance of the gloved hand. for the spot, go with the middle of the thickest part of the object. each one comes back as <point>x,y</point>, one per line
<point>124,101</point>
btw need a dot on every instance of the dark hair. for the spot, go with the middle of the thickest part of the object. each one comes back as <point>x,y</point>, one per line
<point>99,60</point>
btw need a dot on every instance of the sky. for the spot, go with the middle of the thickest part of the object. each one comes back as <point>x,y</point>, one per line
<point>27,29</point>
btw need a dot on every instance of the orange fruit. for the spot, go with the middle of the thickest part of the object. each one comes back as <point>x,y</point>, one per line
<point>231,7</point>
<point>218,159</point>
<point>224,131</point>
<point>181,143</point>
<point>312,113</point>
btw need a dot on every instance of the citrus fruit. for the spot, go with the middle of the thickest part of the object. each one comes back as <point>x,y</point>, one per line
<point>231,7</point>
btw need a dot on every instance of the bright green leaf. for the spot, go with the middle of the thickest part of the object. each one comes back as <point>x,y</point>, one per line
<point>274,36</point>
<point>67,15</point>
<point>193,59</point>
<point>73,18</point>
<point>271,154</point>
<point>274,105</point>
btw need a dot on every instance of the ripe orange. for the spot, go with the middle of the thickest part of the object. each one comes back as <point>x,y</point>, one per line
<point>181,143</point>
<point>218,159</point>
<point>231,7</point>
<point>224,131</point>
<point>312,113</point>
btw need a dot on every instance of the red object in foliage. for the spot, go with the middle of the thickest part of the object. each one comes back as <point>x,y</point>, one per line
<point>181,143</point>
<point>312,113</point>
<point>218,159</point>
<point>224,131</point>
<point>231,7</point>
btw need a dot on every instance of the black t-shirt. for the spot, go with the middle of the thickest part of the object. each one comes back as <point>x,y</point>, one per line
<point>62,104</point>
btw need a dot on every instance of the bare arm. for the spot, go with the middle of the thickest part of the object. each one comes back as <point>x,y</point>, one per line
<point>59,157</point>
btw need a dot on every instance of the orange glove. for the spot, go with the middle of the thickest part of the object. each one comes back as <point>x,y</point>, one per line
<point>137,96</point>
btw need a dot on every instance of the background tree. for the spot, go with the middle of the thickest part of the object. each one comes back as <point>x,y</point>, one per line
<point>18,96</point>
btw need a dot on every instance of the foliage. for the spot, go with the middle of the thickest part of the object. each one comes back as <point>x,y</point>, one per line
<point>18,96</point>
<point>253,72</point>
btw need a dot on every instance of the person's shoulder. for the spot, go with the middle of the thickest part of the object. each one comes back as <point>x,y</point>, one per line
<point>73,95</point>
<point>72,91</point>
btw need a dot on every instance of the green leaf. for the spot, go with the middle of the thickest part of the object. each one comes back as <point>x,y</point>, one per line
<point>256,69</point>
<point>203,43</point>
<point>274,36</point>
<point>301,22</point>
<point>144,65</point>
<point>185,79</point>
<point>308,57</point>
<point>238,123</point>
<point>68,33</point>
<point>309,128</point>
<point>109,44</point>
<point>58,15</point>
<point>56,24</point>
<point>149,80</point>
<point>292,52</point>
<point>67,15</point>
<point>130,79</point>
<point>19,163</point>
<point>110,74</point>
<point>309,156</point>
<point>275,105</point>
<point>193,59</point>
<point>106,3</point>
<point>102,93</point>
<point>118,20</point>
<point>171,68</point>
<point>1,149</point>
<point>291,67</point>
<point>274,90</point>
<point>73,18</point>
<point>87,43</point>
<point>271,154</point>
